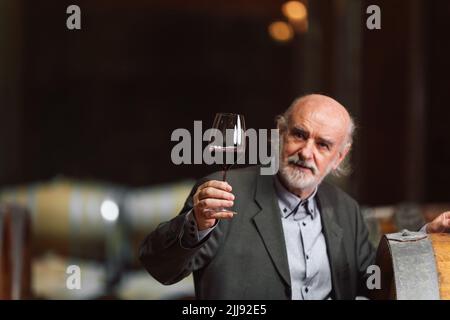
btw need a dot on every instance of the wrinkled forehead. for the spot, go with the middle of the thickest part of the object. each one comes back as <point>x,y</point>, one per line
<point>321,119</point>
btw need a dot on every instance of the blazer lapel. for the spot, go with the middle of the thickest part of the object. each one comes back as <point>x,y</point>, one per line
<point>269,226</point>
<point>333,237</point>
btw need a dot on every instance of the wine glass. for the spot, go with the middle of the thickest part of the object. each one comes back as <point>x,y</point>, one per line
<point>227,142</point>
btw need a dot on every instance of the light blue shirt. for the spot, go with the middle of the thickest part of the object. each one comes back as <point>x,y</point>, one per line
<point>309,266</point>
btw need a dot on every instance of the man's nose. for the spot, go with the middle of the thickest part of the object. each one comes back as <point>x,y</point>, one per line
<point>306,152</point>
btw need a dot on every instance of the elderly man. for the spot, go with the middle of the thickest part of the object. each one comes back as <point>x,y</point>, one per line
<point>294,237</point>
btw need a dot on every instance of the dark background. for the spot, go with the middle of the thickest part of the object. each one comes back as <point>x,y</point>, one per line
<point>101,103</point>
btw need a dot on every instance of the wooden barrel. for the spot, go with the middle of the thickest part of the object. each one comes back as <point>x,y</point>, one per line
<point>68,228</point>
<point>414,266</point>
<point>67,218</point>
<point>15,252</point>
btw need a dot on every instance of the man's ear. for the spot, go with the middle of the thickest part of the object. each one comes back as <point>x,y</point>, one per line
<point>282,124</point>
<point>281,128</point>
<point>342,154</point>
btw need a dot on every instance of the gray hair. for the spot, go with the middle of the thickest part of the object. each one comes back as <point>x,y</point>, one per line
<point>282,122</point>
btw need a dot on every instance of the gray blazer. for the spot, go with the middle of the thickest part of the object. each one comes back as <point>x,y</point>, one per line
<point>245,257</point>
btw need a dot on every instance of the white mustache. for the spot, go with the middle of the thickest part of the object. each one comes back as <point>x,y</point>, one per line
<point>299,162</point>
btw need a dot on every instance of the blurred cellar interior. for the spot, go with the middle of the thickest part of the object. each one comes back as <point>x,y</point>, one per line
<point>87,117</point>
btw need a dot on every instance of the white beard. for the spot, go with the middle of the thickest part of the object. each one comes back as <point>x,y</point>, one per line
<point>296,179</point>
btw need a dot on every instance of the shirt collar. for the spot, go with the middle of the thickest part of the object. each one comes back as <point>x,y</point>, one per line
<point>290,202</point>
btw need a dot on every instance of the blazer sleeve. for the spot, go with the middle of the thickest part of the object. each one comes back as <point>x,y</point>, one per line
<point>163,254</point>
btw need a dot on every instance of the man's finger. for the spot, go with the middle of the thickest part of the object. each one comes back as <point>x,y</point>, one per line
<point>214,203</point>
<point>220,214</point>
<point>211,192</point>
<point>223,185</point>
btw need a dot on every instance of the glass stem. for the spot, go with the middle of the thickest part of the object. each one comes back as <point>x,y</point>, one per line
<point>224,175</point>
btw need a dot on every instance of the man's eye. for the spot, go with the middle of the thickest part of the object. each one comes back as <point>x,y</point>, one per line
<point>300,135</point>
<point>323,145</point>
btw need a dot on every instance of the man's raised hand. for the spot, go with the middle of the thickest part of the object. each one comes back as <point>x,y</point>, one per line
<point>209,197</point>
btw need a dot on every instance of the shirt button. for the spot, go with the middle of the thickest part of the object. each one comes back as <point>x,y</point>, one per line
<point>284,210</point>
<point>307,257</point>
<point>304,224</point>
<point>306,289</point>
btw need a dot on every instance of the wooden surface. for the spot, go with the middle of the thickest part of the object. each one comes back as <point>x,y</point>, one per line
<point>441,246</point>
